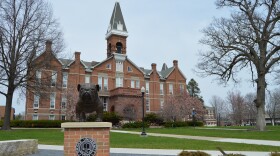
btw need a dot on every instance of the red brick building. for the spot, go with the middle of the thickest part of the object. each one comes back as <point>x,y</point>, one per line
<point>2,113</point>
<point>119,79</point>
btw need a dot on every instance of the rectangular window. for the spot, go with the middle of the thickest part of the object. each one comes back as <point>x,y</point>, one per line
<point>54,76</point>
<point>132,84</point>
<point>108,66</point>
<point>35,117</point>
<point>52,100</point>
<point>137,84</point>
<point>147,87</point>
<point>105,83</point>
<point>129,69</point>
<point>147,105</point>
<point>64,79</point>
<point>36,101</point>
<point>170,88</point>
<point>119,66</point>
<point>38,76</point>
<point>181,87</point>
<point>161,104</point>
<point>105,104</point>
<point>63,102</point>
<point>51,117</point>
<point>161,89</point>
<point>119,82</point>
<point>100,82</point>
<point>63,117</point>
<point>87,78</point>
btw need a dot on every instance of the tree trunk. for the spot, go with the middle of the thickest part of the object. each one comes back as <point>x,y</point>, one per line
<point>260,103</point>
<point>8,108</point>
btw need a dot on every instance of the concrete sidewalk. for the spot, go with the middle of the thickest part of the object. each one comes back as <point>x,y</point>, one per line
<point>51,150</point>
<point>217,139</point>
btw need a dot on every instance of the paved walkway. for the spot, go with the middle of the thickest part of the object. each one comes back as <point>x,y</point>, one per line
<point>244,141</point>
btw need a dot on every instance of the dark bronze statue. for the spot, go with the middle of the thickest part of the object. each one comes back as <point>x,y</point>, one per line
<point>88,101</point>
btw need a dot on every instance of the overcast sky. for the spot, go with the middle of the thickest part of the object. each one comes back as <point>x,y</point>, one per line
<point>159,32</point>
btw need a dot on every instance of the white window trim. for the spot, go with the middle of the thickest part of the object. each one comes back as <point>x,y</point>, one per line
<point>64,79</point>
<point>132,84</point>
<point>63,99</point>
<point>148,104</point>
<point>147,87</point>
<point>119,82</point>
<point>106,87</point>
<point>170,88</point>
<point>37,117</point>
<point>100,82</point>
<point>51,118</point>
<point>137,84</point>
<point>54,95</point>
<point>161,89</point>
<point>54,78</point>
<point>36,96</point>
<point>87,78</point>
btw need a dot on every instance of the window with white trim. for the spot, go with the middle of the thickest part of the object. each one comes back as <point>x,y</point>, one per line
<point>119,66</point>
<point>147,87</point>
<point>100,82</point>
<point>64,79</point>
<point>63,102</point>
<point>35,117</point>
<point>54,77</point>
<point>181,87</point>
<point>38,76</point>
<point>119,82</point>
<point>105,81</point>
<point>51,117</point>
<point>129,69</point>
<point>161,104</point>
<point>132,84</point>
<point>161,89</point>
<point>108,66</point>
<point>137,84</point>
<point>52,100</point>
<point>170,88</point>
<point>147,105</point>
<point>87,78</point>
<point>36,101</point>
<point>105,104</point>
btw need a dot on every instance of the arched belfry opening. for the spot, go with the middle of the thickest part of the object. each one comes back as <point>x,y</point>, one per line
<point>119,47</point>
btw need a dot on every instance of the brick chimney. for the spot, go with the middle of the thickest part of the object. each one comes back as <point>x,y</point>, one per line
<point>154,67</point>
<point>175,63</point>
<point>48,46</point>
<point>77,56</point>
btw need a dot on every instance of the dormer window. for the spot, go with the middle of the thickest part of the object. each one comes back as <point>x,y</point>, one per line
<point>119,47</point>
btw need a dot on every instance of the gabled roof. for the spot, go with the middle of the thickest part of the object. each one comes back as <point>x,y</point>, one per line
<point>167,72</point>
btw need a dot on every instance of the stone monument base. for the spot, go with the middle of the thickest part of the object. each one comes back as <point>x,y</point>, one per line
<point>86,138</point>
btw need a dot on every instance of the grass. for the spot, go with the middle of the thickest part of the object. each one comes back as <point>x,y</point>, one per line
<point>273,133</point>
<point>119,140</point>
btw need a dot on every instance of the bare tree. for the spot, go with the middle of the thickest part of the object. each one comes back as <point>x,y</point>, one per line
<point>24,28</point>
<point>237,102</point>
<point>273,105</point>
<point>69,102</point>
<point>248,39</point>
<point>220,108</point>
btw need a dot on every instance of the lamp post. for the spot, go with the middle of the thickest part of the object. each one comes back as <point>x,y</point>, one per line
<point>143,111</point>
<point>193,116</point>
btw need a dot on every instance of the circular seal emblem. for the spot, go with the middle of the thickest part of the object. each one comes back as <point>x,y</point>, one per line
<point>86,147</point>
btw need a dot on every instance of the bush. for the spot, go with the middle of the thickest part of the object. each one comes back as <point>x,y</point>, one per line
<point>91,118</point>
<point>198,153</point>
<point>35,123</point>
<point>183,124</point>
<point>111,117</point>
<point>153,118</point>
<point>137,124</point>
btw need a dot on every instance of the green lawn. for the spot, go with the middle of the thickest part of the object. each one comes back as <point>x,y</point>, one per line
<point>273,133</point>
<point>118,140</point>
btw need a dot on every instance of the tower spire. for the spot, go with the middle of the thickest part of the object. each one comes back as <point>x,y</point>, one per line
<point>117,24</point>
<point>116,33</point>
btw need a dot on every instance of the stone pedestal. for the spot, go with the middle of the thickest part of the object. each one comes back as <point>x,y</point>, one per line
<point>83,137</point>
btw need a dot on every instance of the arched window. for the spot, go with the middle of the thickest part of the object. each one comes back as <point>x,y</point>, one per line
<point>119,47</point>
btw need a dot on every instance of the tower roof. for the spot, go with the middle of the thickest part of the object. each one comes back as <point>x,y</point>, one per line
<point>117,25</point>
